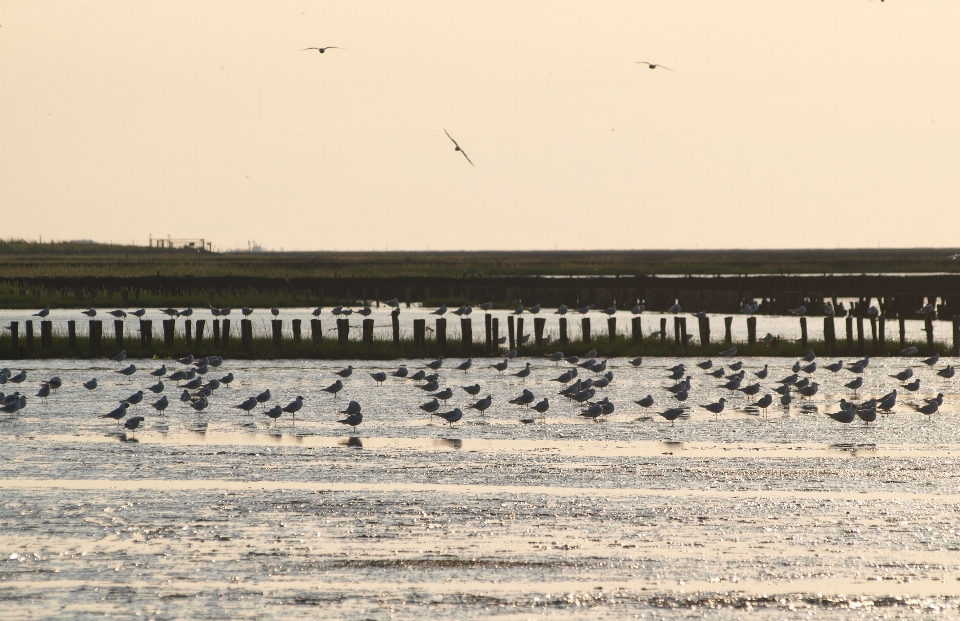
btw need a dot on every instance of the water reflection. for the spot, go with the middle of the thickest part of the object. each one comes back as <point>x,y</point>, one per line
<point>352,442</point>
<point>454,443</point>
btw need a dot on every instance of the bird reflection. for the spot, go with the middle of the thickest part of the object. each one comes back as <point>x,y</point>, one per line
<point>453,443</point>
<point>353,442</point>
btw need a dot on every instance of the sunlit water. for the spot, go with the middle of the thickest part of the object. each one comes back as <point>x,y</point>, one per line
<point>786,327</point>
<point>227,515</point>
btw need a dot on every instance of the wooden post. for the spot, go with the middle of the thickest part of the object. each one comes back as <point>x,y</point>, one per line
<point>343,331</point>
<point>803,332</point>
<point>727,330</point>
<point>956,335</point>
<point>466,336</point>
<point>860,337</point>
<point>704,325</point>
<point>118,332</point>
<point>612,327</point>
<point>96,332</point>
<point>188,331</point>
<point>883,333</point>
<point>683,331</point>
<point>752,330</point>
<point>316,331</point>
<point>676,330</point>
<point>510,333</point>
<point>72,334</point>
<point>168,327</point>
<point>367,333</point>
<point>246,334</point>
<point>201,326</point>
<point>873,332</point>
<point>441,335</point>
<point>276,326</point>
<point>216,334</point>
<point>15,338</point>
<point>419,333</point>
<point>903,332</point>
<point>663,329</point>
<point>563,331</point>
<point>637,328</point>
<point>46,334</point>
<point>29,323</point>
<point>296,330</point>
<point>395,324</point>
<point>146,336</point>
<point>488,332</point>
<point>928,326</point>
<point>226,333</point>
<point>829,334</point>
<point>849,322</point>
<point>519,333</point>
<point>585,327</point>
<point>539,323</point>
<point>495,328</point>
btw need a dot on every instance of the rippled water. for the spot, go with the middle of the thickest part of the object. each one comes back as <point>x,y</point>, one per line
<point>227,515</point>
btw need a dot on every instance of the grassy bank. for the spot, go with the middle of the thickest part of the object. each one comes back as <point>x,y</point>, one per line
<point>330,349</point>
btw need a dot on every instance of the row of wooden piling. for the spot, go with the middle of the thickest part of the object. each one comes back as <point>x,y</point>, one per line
<point>195,333</point>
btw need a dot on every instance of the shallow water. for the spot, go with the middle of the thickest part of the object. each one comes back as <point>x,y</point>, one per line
<point>226,515</point>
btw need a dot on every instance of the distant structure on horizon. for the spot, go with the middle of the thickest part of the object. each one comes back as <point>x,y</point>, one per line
<point>169,242</point>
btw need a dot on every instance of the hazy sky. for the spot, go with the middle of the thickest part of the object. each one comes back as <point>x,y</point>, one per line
<point>784,123</point>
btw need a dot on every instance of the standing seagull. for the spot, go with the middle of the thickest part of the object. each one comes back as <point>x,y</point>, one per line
<point>653,65</point>
<point>323,49</point>
<point>457,147</point>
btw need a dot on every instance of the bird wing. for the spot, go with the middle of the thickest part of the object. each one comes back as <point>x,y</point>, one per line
<point>468,157</point>
<point>664,67</point>
<point>452,140</point>
<point>309,48</point>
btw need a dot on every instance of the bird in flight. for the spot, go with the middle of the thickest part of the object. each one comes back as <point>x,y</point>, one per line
<point>322,49</point>
<point>654,65</point>
<point>457,147</point>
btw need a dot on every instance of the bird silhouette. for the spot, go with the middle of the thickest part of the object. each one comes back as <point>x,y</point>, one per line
<point>653,65</point>
<point>323,49</point>
<point>456,147</point>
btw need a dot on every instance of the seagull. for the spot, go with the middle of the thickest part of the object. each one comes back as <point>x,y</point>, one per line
<point>160,404</point>
<point>611,311</point>
<point>932,360</point>
<point>186,359</point>
<point>585,309</point>
<point>594,411</point>
<point>430,406</point>
<point>128,371</point>
<point>172,312</point>
<point>186,312</point>
<point>394,303</point>
<point>810,368</point>
<point>729,353</point>
<point>334,388</point>
<point>365,311</point>
<point>844,416</point>
<point>534,309</point>
<point>561,310</point>
<point>44,391</point>
<point>120,357</point>
<point>456,147</point>
<point>159,372</point>
<point>636,361</point>
<point>524,372</point>
<point>913,386</point>
<point>827,309</point>
<point>400,372</point>
<point>322,49</point>
<point>430,386</point>
<point>947,372</point>
<point>140,312</point>
<point>246,406</point>
<point>43,313</point>
<point>909,351</point>
<point>674,309</point>
<point>246,311</point>
<point>762,373</point>
<point>379,377</point>
<point>90,313</point>
<point>118,413</point>
<point>653,65</point>
<point>156,388</point>
<point>353,420</point>
<point>440,311</point>
<point>764,402</point>
<point>927,310</point>
<point>637,310</point>
<point>930,408</point>
<point>133,423</point>
<point>482,404</point>
<point>836,366</point>
<point>706,364</point>
<point>787,398</point>
<point>856,384</point>
<point>264,396</point>
<point>419,375</point>
<point>645,402</point>
<point>715,408</point>
<point>800,310</point>
<point>91,384</point>
<point>226,379</point>
<point>525,398</point>
<point>436,364</point>
<point>542,407</point>
<point>119,314</point>
<point>486,306</point>
<point>810,357</point>
<point>736,366</point>
<point>500,366</point>
<point>451,417</point>
<point>352,408</point>
<point>274,311</point>
<point>345,373</point>
<point>134,399</point>
<point>672,414</point>
<point>472,390</point>
<point>294,406</point>
<point>903,375</point>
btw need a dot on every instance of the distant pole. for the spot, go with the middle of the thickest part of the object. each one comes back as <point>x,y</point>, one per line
<point>441,335</point>
<point>216,334</point>
<point>704,325</point>
<point>367,333</point>
<point>928,326</point>
<point>849,322</point>
<point>96,332</point>
<point>873,332</point>
<point>861,348</point>
<point>683,331</point>
<point>201,325</point>
<point>188,331</point>
<point>663,330</point>
<point>277,328</point>
<point>72,334</point>
<point>803,332</point>
<point>519,333</point>
<point>316,331</point>
<point>297,331</point>
<point>510,333</point>
<point>564,339</point>
<point>15,338</point>
<point>676,330</point>
<point>956,335</point>
<point>168,328</point>
<point>466,336</point>
<point>246,334</point>
<point>226,333</point>
<point>829,334</point>
<point>146,336</point>
<point>29,335</point>
<point>495,328</point>
<point>118,332</point>
<point>488,331</point>
<point>343,332</point>
<point>395,324</point>
<point>637,328</point>
<point>612,327</point>
<point>728,330</point>
<point>585,329</point>
<point>882,329</point>
<point>903,332</point>
<point>539,323</point>
<point>46,334</point>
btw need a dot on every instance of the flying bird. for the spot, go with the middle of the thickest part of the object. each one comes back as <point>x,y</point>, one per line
<point>323,49</point>
<point>457,147</point>
<point>653,65</point>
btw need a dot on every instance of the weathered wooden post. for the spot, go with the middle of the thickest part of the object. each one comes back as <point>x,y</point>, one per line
<point>15,338</point>
<point>676,330</point>
<point>169,325</point>
<point>495,328</point>
<point>637,328</point>
<point>343,332</point>
<point>146,336</point>
<point>72,335</point>
<point>488,332</point>
<point>956,335</point>
<point>882,328</point>
<point>96,333</point>
<point>612,327</point>
<point>118,332</point>
<point>316,331</point>
<point>519,333</point>
<point>419,333</point>
<point>29,335</point>
<point>829,334</point>
<point>367,333</point>
<point>466,336</point>
<point>46,334</point>
<point>226,333</point>
<point>728,330</point>
<point>663,329</point>
<point>276,326</point>
<point>510,333</point>
<point>585,329</point>
<point>873,332</point>
<point>297,332</point>
<point>441,335</point>
<point>563,331</point>
<point>849,322</point>
<point>803,332</point>
<point>395,324</point>
<point>704,325</point>
<point>752,330</point>
<point>539,323</point>
<point>201,326</point>
<point>246,334</point>
<point>188,331</point>
<point>216,334</point>
<point>903,332</point>
<point>683,331</point>
<point>928,326</point>
<point>860,337</point>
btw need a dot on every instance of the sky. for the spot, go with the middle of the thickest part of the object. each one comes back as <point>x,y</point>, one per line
<point>784,123</point>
